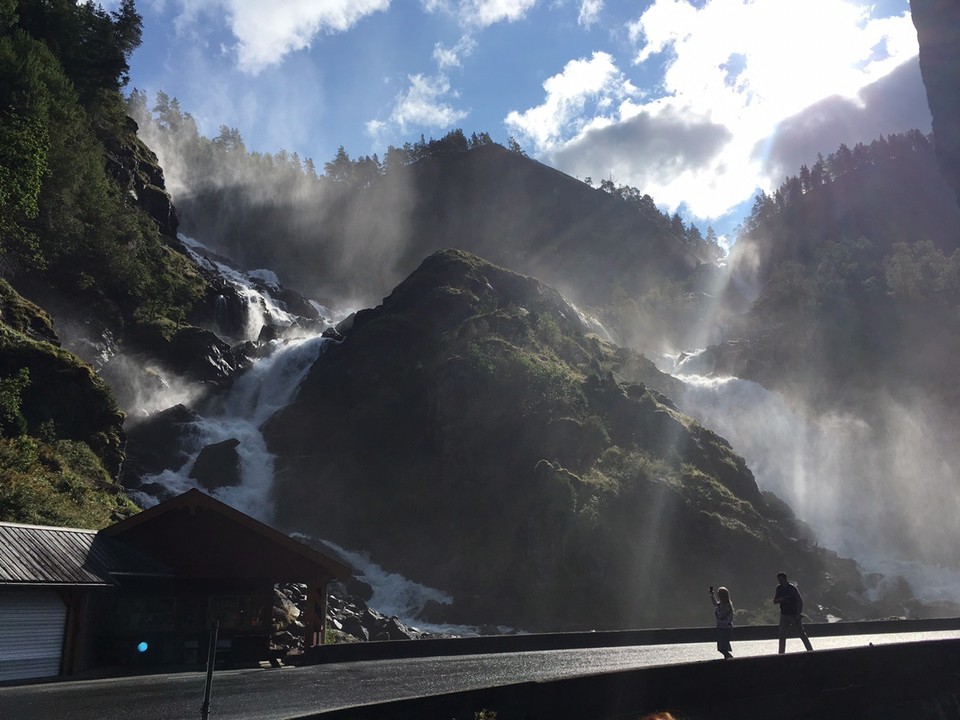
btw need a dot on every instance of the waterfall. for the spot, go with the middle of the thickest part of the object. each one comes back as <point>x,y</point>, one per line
<point>262,308</point>
<point>878,489</point>
<point>269,385</point>
<point>396,595</point>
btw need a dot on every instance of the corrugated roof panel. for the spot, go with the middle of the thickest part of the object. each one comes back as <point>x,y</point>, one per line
<point>35,554</point>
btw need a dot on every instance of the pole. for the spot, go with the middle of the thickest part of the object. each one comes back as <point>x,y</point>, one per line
<point>211,659</point>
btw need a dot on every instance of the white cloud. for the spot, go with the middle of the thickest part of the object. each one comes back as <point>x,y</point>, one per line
<point>266,32</point>
<point>446,57</point>
<point>377,128</point>
<point>895,103</point>
<point>791,52</point>
<point>589,12</point>
<point>431,6</point>
<point>666,151</point>
<point>593,84</point>
<point>484,13</point>
<point>420,105</point>
<point>731,72</point>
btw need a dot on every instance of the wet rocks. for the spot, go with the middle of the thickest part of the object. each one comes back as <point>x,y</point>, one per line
<point>349,619</point>
<point>191,352</point>
<point>155,444</point>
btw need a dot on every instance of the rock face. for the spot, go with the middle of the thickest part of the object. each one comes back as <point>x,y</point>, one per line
<point>938,32</point>
<point>476,440</point>
<point>137,171</point>
<point>190,351</point>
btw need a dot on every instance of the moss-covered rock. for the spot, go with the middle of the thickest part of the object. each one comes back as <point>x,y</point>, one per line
<point>25,317</point>
<point>470,433</point>
<point>61,435</point>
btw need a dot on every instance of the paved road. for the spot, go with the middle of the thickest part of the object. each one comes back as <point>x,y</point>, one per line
<point>269,694</point>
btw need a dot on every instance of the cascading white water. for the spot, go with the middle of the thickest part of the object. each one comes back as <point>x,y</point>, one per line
<point>268,386</point>
<point>394,594</point>
<point>880,496</point>
<point>265,388</point>
<point>592,323</point>
<point>794,456</point>
<point>261,308</point>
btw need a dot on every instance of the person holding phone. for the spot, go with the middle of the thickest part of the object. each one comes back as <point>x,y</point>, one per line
<point>723,609</point>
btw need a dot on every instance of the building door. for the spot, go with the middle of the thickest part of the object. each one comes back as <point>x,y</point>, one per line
<point>32,623</point>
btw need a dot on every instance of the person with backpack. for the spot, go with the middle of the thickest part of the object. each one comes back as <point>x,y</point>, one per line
<point>788,597</point>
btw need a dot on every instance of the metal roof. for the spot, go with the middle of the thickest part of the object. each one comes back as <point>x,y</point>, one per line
<point>173,529</point>
<point>41,555</point>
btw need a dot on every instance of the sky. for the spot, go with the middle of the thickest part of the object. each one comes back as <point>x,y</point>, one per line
<point>700,103</point>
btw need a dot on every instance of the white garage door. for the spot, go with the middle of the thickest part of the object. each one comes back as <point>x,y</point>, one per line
<point>31,633</point>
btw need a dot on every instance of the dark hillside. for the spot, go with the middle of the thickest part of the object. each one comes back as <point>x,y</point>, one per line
<point>61,436</point>
<point>87,246</point>
<point>353,233</point>
<point>469,433</point>
<point>524,215</point>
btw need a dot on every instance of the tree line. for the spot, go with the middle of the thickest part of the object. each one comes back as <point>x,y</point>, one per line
<point>831,169</point>
<point>66,223</point>
<point>856,292</point>
<point>705,247</point>
<point>226,156</point>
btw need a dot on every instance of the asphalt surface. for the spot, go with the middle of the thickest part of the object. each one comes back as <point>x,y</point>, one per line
<point>273,693</point>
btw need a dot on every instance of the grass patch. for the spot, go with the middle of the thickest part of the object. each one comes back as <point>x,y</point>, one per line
<point>59,483</point>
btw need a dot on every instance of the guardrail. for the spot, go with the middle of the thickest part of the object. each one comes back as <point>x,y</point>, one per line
<point>444,647</point>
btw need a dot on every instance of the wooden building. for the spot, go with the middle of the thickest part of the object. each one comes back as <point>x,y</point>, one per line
<point>147,589</point>
<point>50,579</point>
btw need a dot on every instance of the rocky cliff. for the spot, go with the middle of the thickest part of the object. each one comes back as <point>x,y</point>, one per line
<point>938,32</point>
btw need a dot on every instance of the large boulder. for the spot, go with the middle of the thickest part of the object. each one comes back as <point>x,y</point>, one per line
<point>218,465</point>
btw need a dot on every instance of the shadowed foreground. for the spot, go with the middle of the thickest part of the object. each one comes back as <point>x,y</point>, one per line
<point>917,681</point>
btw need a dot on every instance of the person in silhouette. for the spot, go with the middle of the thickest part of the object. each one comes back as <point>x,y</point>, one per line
<point>788,597</point>
<point>723,609</point>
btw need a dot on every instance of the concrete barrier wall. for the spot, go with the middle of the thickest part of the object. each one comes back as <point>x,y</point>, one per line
<point>915,681</point>
<point>445,647</point>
